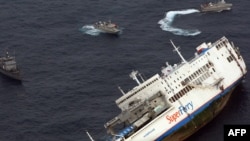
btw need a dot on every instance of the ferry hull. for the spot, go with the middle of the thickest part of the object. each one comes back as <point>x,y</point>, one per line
<point>201,117</point>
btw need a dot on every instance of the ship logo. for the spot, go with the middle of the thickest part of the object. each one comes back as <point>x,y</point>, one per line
<point>182,110</point>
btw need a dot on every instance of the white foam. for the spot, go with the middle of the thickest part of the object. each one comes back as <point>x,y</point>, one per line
<point>166,23</point>
<point>89,29</point>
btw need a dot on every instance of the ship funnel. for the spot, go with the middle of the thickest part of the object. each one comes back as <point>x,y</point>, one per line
<point>179,53</point>
<point>133,76</point>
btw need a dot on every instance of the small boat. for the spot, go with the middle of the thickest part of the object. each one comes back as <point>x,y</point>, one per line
<point>219,6</point>
<point>186,96</point>
<point>107,27</point>
<point>9,68</point>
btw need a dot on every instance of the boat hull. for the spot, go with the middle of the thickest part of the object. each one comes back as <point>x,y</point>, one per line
<point>12,75</point>
<point>215,9</point>
<point>201,117</point>
<point>109,31</point>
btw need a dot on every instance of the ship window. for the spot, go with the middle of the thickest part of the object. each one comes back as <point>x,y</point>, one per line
<point>213,70</point>
<point>178,95</point>
<point>175,97</point>
<point>191,76</point>
<point>183,83</point>
<point>225,43</point>
<point>230,59</point>
<point>196,74</point>
<point>184,90</point>
<point>207,65</point>
<point>171,99</point>
<point>182,93</point>
<point>199,71</point>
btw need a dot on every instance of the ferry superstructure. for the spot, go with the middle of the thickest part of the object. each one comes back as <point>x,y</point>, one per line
<point>173,105</point>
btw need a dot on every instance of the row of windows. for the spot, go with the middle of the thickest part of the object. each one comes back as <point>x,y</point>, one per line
<point>193,76</point>
<point>230,58</point>
<point>221,44</point>
<point>180,93</point>
<point>202,78</point>
<point>197,73</point>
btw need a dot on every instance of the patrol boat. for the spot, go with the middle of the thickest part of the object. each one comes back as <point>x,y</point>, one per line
<point>216,7</point>
<point>9,67</point>
<point>107,27</point>
<point>174,104</point>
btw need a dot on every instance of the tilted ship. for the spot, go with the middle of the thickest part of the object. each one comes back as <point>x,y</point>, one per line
<point>9,68</point>
<point>219,6</point>
<point>173,105</point>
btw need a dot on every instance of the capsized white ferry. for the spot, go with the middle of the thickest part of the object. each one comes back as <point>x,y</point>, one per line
<point>175,104</point>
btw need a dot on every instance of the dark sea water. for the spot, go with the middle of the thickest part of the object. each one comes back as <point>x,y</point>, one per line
<point>71,72</point>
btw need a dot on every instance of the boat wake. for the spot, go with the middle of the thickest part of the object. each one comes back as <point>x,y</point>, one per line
<point>166,23</point>
<point>90,30</point>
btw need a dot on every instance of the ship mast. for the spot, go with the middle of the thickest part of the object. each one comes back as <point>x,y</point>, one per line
<point>179,53</point>
<point>90,137</point>
<point>121,90</point>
